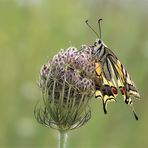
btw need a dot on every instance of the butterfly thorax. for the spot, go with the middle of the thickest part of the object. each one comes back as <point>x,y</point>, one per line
<point>100,50</point>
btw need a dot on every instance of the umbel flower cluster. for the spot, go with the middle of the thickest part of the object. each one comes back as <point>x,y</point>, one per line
<point>67,84</point>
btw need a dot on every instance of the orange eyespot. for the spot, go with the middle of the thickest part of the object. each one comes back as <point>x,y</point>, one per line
<point>122,90</point>
<point>114,90</point>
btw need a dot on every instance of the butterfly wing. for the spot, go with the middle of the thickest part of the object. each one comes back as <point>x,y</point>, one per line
<point>124,81</point>
<point>105,88</point>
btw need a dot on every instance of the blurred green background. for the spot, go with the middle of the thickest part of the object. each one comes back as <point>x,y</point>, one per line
<point>32,31</point>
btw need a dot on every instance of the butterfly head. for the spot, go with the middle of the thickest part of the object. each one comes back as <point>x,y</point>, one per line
<point>98,43</point>
<point>97,46</point>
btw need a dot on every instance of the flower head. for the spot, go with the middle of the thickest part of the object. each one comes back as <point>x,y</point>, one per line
<point>66,83</point>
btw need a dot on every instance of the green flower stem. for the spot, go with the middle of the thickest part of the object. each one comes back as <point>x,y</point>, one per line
<point>62,139</point>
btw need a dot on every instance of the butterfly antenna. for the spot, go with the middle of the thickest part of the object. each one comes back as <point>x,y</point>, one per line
<point>91,28</point>
<point>99,22</point>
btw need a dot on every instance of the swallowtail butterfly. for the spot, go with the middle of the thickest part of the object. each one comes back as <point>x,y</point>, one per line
<point>110,73</point>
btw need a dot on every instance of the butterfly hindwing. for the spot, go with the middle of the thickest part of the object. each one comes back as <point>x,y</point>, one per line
<point>105,89</point>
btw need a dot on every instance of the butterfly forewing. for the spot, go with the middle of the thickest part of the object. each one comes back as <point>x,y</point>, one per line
<point>124,79</point>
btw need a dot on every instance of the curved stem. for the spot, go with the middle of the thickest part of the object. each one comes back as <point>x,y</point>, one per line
<point>62,139</point>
